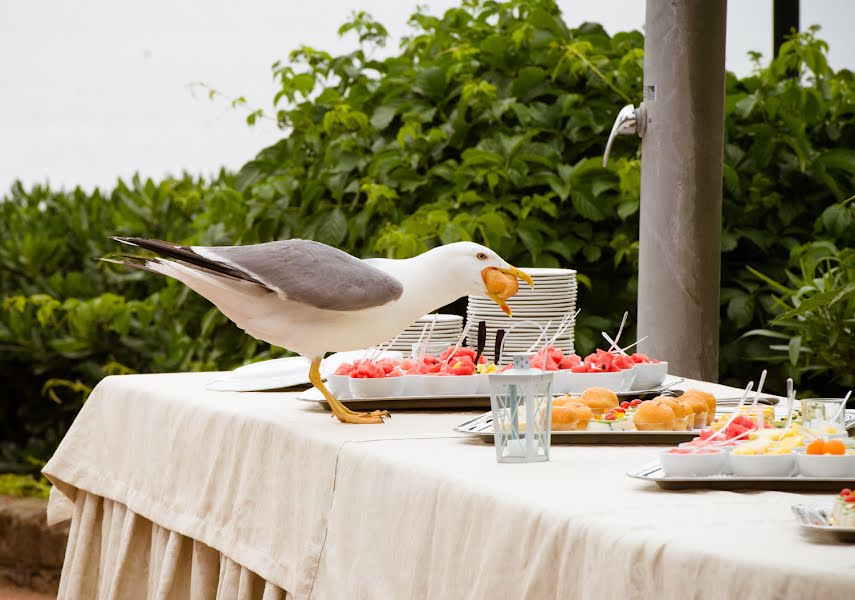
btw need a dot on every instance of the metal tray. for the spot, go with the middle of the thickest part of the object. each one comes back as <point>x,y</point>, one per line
<point>813,519</point>
<point>481,427</point>
<point>477,401</point>
<point>653,472</point>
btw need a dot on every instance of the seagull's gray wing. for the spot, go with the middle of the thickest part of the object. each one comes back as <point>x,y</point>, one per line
<point>310,272</point>
<point>300,270</point>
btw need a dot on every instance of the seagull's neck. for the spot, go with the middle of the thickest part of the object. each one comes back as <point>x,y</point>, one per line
<point>427,284</point>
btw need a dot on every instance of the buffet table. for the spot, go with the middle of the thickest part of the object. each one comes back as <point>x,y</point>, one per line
<point>178,492</point>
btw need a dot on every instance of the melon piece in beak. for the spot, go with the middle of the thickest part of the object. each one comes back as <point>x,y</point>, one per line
<point>501,284</point>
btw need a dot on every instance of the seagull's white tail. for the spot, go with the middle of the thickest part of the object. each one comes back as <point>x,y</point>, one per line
<point>232,296</point>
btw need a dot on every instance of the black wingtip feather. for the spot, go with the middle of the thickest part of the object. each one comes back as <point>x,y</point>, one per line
<point>184,254</point>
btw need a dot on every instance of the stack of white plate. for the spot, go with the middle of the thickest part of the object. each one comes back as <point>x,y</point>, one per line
<point>446,332</point>
<point>553,296</point>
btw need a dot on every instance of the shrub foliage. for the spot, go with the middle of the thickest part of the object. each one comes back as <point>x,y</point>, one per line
<point>487,124</point>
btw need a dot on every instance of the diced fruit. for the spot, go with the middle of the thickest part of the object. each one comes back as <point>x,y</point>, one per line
<point>836,447</point>
<point>816,447</point>
<point>610,416</point>
<point>625,404</point>
<point>638,357</point>
<point>635,402</point>
<point>344,369</point>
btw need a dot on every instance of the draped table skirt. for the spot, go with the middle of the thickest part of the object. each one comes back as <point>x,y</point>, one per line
<point>115,554</point>
<point>176,491</point>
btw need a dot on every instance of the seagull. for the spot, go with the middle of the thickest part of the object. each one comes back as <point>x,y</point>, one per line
<point>312,298</point>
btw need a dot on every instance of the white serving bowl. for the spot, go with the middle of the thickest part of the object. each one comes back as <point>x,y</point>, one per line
<point>414,385</point>
<point>483,387</point>
<point>725,449</point>
<point>567,382</point>
<point>451,385</point>
<point>826,465</point>
<point>380,387</point>
<point>763,465</point>
<point>338,385</point>
<point>696,464</point>
<point>649,376</point>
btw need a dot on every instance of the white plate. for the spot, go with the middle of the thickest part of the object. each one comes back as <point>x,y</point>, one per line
<point>563,305</point>
<point>543,299</point>
<point>440,318</point>
<point>540,300</point>
<point>519,316</point>
<point>283,372</point>
<point>546,271</point>
<point>813,518</point>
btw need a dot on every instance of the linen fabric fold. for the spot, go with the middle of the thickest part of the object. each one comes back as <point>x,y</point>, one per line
<point>115,554</point>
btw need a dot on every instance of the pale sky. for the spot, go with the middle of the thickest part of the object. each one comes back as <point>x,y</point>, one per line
<point>92,90</point>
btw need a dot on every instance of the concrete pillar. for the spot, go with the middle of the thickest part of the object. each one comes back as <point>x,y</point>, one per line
<point>681,184</point>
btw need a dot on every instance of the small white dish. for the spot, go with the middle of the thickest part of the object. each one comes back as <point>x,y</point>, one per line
<point>414,385</point>
<point>826,465</point>
<point>338,385</point>
<point>694,464</point>
<point>763,465</point>
<point>483,388</point>
<point>813,518</point>
<point>379,387</point>
<point>650,375</point>
<point>451,385</point>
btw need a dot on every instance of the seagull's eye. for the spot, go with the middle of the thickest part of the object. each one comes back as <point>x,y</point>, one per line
<point>481,256</point>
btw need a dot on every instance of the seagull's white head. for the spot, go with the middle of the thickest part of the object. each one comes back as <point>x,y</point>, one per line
<point>482,271</point>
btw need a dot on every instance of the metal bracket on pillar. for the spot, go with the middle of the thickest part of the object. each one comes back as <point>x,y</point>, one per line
<point>630,120</point>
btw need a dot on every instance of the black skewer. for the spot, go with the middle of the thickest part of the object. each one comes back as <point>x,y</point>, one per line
<point>497,352</point>
<point>482,340</point>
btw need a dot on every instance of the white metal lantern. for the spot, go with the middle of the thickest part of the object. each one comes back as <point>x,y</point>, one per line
<point>521,399</point>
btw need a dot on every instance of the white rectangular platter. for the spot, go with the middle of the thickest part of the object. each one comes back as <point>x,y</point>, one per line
<point>481,427</point>
<point>652,472</point>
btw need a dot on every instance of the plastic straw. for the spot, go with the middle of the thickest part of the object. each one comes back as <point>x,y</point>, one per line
<point>842,407</point>
<point>511,328</point>
<point>735,410</point>
<point>791,402</point>
<point>459,341</point>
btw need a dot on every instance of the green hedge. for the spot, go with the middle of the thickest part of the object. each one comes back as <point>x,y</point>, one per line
<point>487,124</point>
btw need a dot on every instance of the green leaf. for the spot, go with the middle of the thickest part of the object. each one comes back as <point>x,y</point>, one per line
<point>810,304</point>
<point>586,206</point>
<point>332,228</point>
<point>382,116</point>
<point>527,79</point>
<point>740,310</point>
<point>794,348</point>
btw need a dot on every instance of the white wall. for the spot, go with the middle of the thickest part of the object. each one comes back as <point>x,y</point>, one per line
<point>91,90</point>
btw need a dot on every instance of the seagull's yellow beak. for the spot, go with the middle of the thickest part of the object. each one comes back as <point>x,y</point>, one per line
<point>502,283</point>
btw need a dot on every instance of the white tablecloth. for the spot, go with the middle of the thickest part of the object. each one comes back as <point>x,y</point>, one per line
<point>409,509</point>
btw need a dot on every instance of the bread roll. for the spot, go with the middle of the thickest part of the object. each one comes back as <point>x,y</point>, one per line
<point>708,398</point>
<point>654,416</point>
<point>563,418</point>
<point>583,414</point>
<point>501,284</point>
<point>684,416</point>
<point>699,407</point>
<point>599,400</point>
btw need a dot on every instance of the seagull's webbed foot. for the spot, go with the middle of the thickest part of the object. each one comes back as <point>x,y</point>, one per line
<point>339,410</point>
